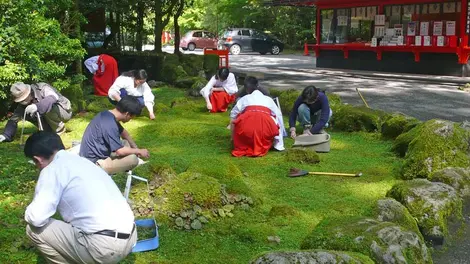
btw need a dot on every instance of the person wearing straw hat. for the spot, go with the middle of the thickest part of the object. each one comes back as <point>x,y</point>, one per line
<point>41,98</point>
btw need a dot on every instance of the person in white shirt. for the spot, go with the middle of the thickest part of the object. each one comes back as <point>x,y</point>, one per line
<point>98,224</point>
<point>220,91</point>
<point>256,123</point>
<point>133,83</point>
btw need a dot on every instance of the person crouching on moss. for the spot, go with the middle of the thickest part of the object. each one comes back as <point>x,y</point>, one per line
<point>256,123</point>
<point>220,91</point>
<point>312,110</point>
<point>133,83</point>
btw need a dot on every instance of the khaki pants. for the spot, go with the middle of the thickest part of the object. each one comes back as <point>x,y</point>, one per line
<point>114,165</point>
<point>57,117</point>
<point>60,242</point>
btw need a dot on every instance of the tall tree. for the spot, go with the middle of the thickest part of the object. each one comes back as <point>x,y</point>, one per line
<point>163,12</point>
<point>140,25</point>
<point>179,11</point>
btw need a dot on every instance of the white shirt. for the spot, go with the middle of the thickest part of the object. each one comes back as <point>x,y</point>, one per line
<point>229,85</point>
<point>259,99</point>
<point>128,84</point>
<point>85,196</point>
<point>92,64</point>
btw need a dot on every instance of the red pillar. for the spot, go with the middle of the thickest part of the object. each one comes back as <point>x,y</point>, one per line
<point>318,33</point>
<point>463,24</point>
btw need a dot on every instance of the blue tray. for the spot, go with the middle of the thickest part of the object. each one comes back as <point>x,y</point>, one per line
<point>147,244</point>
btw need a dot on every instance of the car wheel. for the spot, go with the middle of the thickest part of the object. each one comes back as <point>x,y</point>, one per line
<point>275,50</point>
<point>262,53</point>
<point>191,46</point>
<point>235,49</point>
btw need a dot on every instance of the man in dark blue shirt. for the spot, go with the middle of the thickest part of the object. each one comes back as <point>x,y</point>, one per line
<point>101,142</point>
<point>312,105</point>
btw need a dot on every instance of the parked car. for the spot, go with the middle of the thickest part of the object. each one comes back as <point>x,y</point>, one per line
<point>246,39</point>
<point>198,39</point>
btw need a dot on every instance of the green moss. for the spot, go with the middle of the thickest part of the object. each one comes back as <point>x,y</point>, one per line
<point>172,72</point>
<point>401,143</point>
<point>439,144</point>
<point>192,63</point>
<point>199,83</point>
<point>351,118</point>
<point>432,204</point>
<point>283,210</point>
<point>398,124</point>
<point>287,99</point>
<point>98,104</point>
<point>334,100</point>
<point>312,256</point>
<point>186,190</point>
<point>369,237</point>
<point>390,210</point>
<point>75,95</point>
<point>253,232</point>
<point>300,155</point>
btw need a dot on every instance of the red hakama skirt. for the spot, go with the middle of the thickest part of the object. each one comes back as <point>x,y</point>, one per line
<point>254,132</point>
<point>103,80</point>
<point>220,101</point>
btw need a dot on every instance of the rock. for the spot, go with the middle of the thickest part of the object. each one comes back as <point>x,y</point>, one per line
<point>274,239</point>
<point>203,219</point>
<point>153,83</point>
<point>433,204</point>
<point>194,93</point>
<point>352,118</point>
<point>458,178</point>
<point>439,144</point>
<point>397,124</point>
<point>196,225</point>
<point>221,212</point>
<point>390,210</point>
<point>197,209</point>
<point>312,257</point>
<point>245,207</point>
<point>383,242</point>
<point>302,155</point>
<point>228,208</point>
<point>179,222</point>
<point>187,227</point>
<point>402,142</point>
<point>184,214</point>
<point>229,214</point>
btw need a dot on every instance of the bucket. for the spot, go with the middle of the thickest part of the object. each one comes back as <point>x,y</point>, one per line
<point>319,142</point>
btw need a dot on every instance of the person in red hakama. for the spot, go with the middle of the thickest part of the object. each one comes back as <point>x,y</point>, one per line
<point>105,71</point>
<point>256,123</point>
<point>220,91</point>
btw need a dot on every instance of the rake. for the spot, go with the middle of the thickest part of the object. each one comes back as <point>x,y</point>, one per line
<point>294,172</point>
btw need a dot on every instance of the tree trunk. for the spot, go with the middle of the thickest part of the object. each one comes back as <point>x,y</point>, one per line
<point>158,26</point>
<point>119,32</point>
<point>139,26</point>
<point>178,13</point>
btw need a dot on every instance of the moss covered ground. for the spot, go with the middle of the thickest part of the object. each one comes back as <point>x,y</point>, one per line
<point>186,137</point>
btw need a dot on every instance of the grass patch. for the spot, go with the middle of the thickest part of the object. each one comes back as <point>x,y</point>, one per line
<point>187,138</point>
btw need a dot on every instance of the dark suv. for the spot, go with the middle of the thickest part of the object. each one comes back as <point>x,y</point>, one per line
<point>246,39</point>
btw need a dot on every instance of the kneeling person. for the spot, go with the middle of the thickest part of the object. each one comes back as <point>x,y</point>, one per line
<point>98,224</point>
<point>312,110</point>
<point>220,91</point>
<point>256,122</point>
<point>41,98</point>
<point>101,142</point>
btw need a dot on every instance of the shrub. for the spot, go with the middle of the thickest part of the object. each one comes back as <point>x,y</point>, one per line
<point>398,124</point>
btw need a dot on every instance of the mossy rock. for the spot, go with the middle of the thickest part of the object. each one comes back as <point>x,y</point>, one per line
<point>317,256</point>
<point>350,118</point>
<point>198,83</point>
<point>287,100</point>
<point>383,242</point>
<point>398,124</point>
<point>98,104</point>
<point>438,145</point>
<point>302,155</point>
<point>283,211</point>
<point>402,142</point>
<point>458,178</point>
<point>253,232</point>
<point>173,72</point>
<point>75,95</point>
<point>186,190</point>
<point>433,204</point>
<point>390,210</point>
<point>192,63</point>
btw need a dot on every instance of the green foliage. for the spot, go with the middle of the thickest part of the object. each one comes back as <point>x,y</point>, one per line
<point>98,104</point>
<point>303,156</point>
<point>286,99</point>
<point>211,64</point>
<point>398,124</point>
<point>438,144</point>
<point>75,94</point>
<point>352,118</point>
<point>35,49</point>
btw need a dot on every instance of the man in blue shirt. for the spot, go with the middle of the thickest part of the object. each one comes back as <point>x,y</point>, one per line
<point>312,105</point>
<point>101,142</point>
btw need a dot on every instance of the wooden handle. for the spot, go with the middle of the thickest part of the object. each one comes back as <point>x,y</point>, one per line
<point>334,174</point>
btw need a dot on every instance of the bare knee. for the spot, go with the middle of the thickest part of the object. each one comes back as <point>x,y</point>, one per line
<point>134,160</point>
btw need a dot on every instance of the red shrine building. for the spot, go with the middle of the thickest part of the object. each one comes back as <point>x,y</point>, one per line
<point>408,36</point>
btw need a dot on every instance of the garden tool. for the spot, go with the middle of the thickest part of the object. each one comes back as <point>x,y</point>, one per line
<point>319,142</point>
<point>363,100</point>
<point>294,172</point>
<point>22,129</point>
<point>39,122</point>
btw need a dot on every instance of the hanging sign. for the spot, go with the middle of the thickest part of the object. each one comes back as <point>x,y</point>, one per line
<point>450,28</point>
<point>437,28</point>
